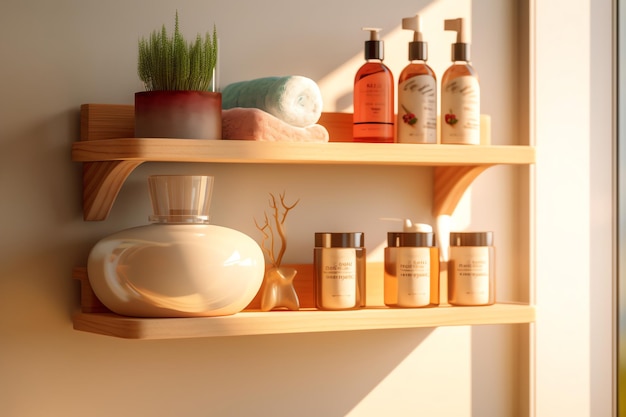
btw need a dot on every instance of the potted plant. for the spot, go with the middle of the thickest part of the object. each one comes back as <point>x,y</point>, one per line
<point>181,98</point>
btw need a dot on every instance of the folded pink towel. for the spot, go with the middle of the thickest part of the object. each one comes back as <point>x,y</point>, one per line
<point>255,124</point>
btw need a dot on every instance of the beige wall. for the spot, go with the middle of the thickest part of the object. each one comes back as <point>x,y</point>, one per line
<point>57,55</point>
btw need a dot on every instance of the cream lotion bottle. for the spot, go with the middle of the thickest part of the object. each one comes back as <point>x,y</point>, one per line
<point>373,119</point>
<point>460,92</point>
<point>417,91</point>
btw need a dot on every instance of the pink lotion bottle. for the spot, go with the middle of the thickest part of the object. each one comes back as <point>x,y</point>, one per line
<point>460,92</point>
<point>373,119</point>
<point>417,91</point>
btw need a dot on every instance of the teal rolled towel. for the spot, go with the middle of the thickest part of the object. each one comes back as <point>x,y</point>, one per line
<point>294,99</point>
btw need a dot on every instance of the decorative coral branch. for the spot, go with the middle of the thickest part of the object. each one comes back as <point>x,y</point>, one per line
<point>269,251</point>
<point>280,225</point>
<point>268,232</point>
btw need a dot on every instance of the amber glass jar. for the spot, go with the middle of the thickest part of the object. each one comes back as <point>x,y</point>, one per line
<point>472,269</point>
<point>339,270</point>
<point>411,269</point>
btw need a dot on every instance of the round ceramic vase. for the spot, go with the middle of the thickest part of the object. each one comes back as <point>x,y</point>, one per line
<point>176,270</point>
<point>178,266</point>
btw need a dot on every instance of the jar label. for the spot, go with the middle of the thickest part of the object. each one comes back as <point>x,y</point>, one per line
<point>471,274</point>
<point>417,110</point>
<point>460,111</point>
<point>413,271</point>
<point>338,278</point>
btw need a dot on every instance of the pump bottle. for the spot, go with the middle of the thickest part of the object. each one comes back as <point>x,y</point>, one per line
<point>373,119</point>
<point>417,91</point>
<point>460,92</point>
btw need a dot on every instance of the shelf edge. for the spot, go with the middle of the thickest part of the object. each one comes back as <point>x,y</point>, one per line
<point>290,322</point>
<point>233,151</point>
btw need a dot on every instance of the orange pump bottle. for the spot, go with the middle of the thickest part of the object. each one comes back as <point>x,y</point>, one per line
<point>373,119</point>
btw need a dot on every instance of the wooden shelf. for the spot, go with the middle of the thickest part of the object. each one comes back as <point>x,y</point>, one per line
<point>96,318</point>
<point>109,154</point>
<point>307,321</point>
<point>251,152</point>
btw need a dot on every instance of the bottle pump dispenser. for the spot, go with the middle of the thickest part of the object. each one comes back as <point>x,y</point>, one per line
<point>460,49</point>
<point>374,47</point>
<point>418,49</point>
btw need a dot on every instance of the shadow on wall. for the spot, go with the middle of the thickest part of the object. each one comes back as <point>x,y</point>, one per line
<point>322,374</point>
<point>343,366</point>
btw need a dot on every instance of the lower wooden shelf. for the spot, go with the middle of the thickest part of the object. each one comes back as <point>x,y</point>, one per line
<point>302,321</point>
<point>94,317</point>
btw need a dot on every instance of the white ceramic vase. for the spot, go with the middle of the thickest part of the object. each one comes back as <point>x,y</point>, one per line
<point>178,266</point>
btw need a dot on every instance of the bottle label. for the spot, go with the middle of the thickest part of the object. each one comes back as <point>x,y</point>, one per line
<point>373,107</point>
<point>338,278</point>
<point>413,272</point>
<point>460,111</point>
<point>417,110</point>
<point>471,274</point>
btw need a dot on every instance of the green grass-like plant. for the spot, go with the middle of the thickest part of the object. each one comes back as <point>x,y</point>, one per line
<point>171,63</point>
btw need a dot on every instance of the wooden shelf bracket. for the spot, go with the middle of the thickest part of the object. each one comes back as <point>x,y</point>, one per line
<point>102,182</point>
<point>449,185</point>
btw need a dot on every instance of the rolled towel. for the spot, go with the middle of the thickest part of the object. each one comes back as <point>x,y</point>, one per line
<point>259,125</point>
<point>294,99</point>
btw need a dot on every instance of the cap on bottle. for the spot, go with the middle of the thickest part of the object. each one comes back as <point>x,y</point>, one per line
<point>418,49</point>
<point>460,49</point>
<point>471,239</point>
<point>340,240</point>
<point>411,239</point>
<point>374,48</point>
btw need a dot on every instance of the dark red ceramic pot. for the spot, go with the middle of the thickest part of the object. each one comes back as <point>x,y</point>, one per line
<point>178,114</point>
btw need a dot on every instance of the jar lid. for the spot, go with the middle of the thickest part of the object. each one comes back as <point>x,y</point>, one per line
<point>471,239</point>
<point>415,239</point>
<point>340,240</point>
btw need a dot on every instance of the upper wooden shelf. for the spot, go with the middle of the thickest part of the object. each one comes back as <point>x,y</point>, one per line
<point>232,151</point>
<point>109,153</point>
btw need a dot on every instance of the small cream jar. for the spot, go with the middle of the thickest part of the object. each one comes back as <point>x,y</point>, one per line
<point>411,270</point>
<point>339,271</point>
<point>471,269</point>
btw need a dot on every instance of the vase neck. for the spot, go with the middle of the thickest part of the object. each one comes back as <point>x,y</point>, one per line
<point>178,219</point>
